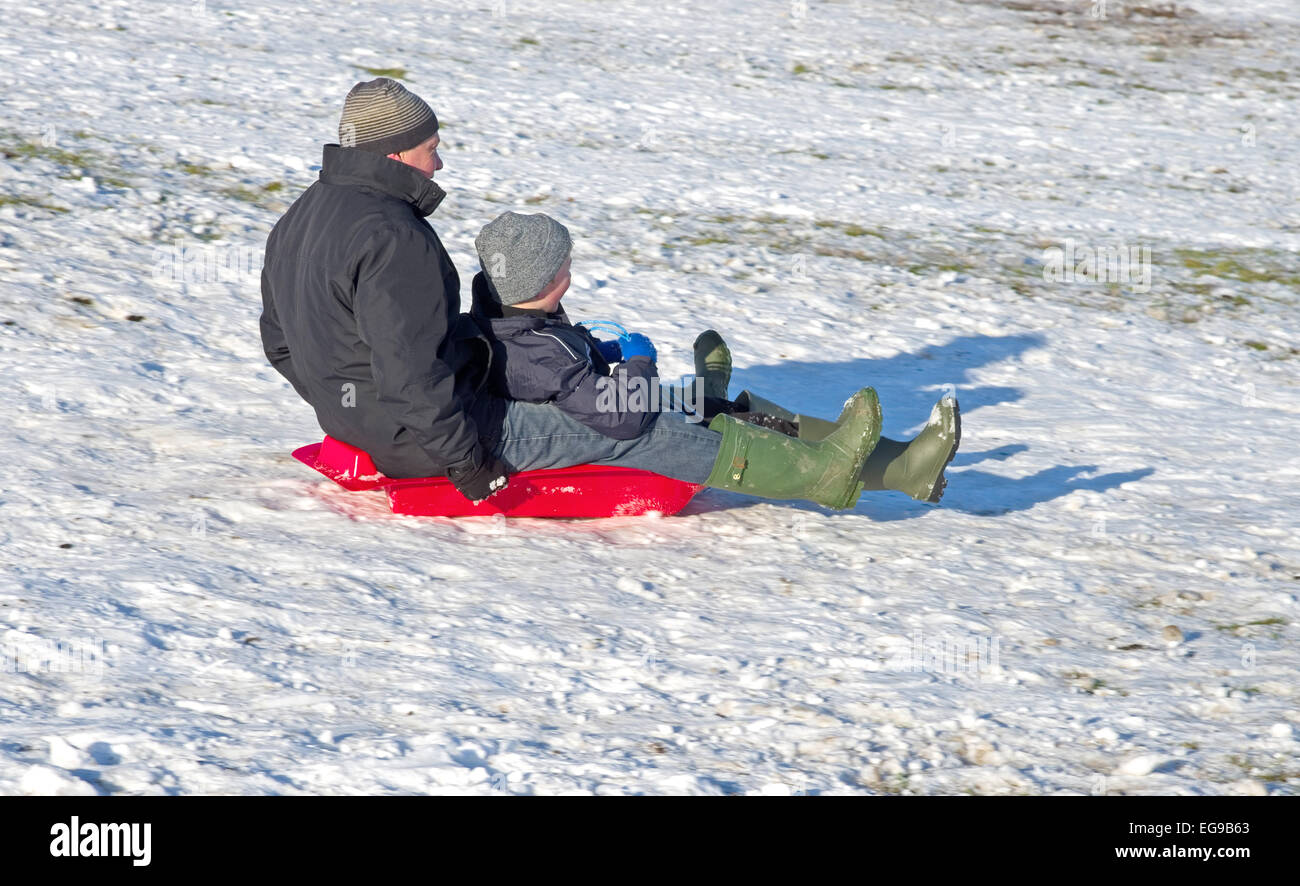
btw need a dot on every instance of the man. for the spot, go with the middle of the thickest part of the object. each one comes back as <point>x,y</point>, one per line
<point>361,313</point>
<point>361,303</point>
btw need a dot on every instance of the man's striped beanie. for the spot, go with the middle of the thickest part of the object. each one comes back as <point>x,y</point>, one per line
<point>381,115</point>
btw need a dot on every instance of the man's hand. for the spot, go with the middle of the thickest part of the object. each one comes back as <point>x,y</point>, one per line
<point>480,482</point>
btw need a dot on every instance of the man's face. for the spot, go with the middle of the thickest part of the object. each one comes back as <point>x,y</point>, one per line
<point>423,157</point>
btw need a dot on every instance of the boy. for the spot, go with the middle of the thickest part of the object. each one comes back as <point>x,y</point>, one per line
<point>539,356</point>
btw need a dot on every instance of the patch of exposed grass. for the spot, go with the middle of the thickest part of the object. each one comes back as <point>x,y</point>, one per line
<point>32,150</point>
<point>258,196</point>
<point>751,222</point>
<point>1249,624</point>
<point>394,73</point>
<point>940,267</point>
<point>859,231</point>
<point>17,200</point>
<point>834,252</point>
<point>1280,76</point>
<point>1242,265</point>
<point>77,163</point>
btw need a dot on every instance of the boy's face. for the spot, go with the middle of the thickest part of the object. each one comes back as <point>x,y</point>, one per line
<point>549,298</point>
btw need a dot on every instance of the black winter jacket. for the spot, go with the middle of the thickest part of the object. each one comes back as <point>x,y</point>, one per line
<point>361,313</point>
<point>541,357</point>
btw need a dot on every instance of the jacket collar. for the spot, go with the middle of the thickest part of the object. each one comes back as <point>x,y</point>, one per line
<point>488,307</point>
<point>556,316</point>
<point>358,168</point>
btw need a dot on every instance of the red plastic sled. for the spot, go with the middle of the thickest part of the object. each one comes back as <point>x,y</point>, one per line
<point>581,491</point>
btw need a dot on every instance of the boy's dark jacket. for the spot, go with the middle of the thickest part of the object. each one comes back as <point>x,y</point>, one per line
<point>540,357</point>
<point>361,313</point>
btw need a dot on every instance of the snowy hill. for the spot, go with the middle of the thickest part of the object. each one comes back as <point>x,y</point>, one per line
<point>852,193</point>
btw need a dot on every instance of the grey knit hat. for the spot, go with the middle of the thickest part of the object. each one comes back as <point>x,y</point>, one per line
<point>381,115</point>
<point>520,254</point>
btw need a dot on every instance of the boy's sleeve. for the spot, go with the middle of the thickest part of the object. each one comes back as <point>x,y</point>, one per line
<point>592,397</point>
<point>598,359</point>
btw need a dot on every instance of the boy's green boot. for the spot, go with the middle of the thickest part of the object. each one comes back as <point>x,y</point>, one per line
<point>765,463</point>
<point>713,363</point>
<point>915,467</point>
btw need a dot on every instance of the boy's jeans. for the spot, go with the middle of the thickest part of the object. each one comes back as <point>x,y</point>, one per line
<point>541,435</point>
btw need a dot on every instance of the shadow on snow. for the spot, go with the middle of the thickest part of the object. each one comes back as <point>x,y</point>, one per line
<point>908,385</point>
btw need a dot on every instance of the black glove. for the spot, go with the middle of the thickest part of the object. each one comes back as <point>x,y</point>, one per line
<point>478,481</point>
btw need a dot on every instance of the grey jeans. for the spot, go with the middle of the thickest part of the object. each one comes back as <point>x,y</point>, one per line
<point>541,435</point>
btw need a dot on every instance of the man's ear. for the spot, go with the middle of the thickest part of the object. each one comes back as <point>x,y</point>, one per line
<point>397,157</point>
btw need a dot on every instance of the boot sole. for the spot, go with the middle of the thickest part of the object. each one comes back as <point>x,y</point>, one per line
<point>942,483</point>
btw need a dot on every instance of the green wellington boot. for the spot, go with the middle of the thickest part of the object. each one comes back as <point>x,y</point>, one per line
<point>915,467</point>
<point>713,363</point>
<point>758,461</point>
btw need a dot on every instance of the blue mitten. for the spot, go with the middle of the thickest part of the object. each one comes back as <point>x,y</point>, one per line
<point>637,345</point>
<point>610,350</point>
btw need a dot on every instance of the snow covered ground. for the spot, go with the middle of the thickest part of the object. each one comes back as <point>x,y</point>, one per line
<point>853,193</point>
